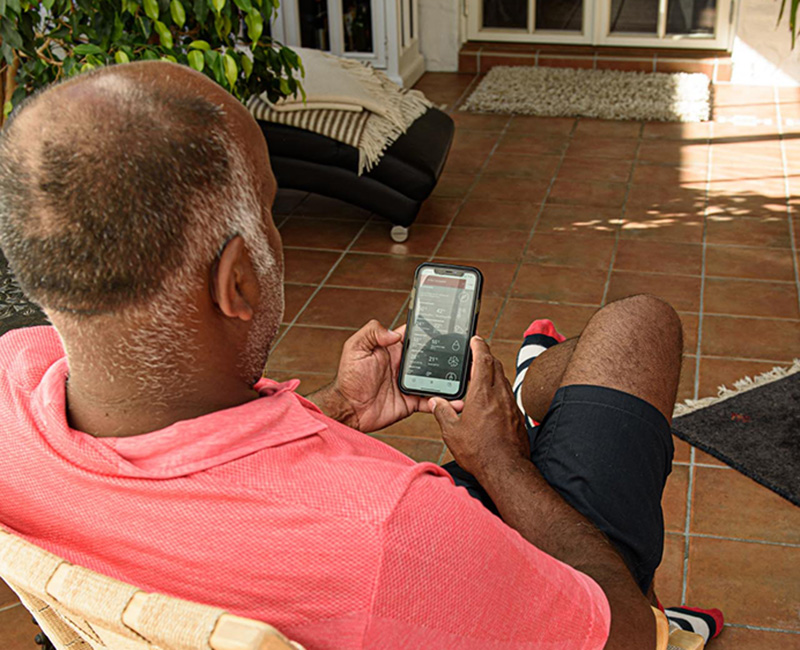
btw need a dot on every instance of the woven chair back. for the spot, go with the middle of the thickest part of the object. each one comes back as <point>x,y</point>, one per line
<point>80,609</point>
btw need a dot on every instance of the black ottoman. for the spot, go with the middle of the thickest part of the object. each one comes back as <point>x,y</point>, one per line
<point>395,188</point>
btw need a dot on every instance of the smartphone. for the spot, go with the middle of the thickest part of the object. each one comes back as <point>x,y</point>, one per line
<point>442,318</point>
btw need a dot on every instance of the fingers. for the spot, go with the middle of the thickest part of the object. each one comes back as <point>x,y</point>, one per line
<point>401,330</point>
<point>373,335</point>
<point>424,405</point>
<point>483,366</point>
<point>443,412</point>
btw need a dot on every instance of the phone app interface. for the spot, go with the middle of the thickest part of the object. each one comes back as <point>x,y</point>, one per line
<point>439,340</point>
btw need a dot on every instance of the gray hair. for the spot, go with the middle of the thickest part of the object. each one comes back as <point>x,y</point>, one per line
<point>120,200</point>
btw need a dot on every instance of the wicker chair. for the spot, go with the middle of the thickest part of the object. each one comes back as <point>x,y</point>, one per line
<point>80,609</point>
<point>77,608</point>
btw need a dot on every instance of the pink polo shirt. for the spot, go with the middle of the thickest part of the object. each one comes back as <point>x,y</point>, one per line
<point>273,511</point>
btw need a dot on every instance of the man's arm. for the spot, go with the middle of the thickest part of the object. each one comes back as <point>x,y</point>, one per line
<point>490,441</point>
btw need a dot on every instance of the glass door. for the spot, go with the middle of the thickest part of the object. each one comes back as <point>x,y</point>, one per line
<point>542,21</point>
<point>351,28</point>
<point>641,23</point>
<point>666,23</point>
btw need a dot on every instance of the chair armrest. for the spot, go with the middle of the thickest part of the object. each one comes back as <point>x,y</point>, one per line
<point>677,640</point>
<point>662,629</point>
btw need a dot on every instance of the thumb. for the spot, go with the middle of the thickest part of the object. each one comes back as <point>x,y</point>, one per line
<point>373,335</point>
<point>445,414</point>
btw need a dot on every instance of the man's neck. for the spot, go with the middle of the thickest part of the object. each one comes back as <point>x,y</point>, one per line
<point>123,408</point>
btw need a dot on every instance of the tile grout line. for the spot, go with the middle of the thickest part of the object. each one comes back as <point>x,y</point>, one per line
<point>743,540</point>
<point>8,607</point>
<point>692,451</point>
<point>464,199</point>
<point>758,628</point>
<point>623,271</point>
<point>623,209</point>
<point>468,193</point>
<point>460,99</point>
<point>532,231</point>
<point>701,305</point>
<point>785,164</point>
<point>763,542</point>
<point>685,463</point>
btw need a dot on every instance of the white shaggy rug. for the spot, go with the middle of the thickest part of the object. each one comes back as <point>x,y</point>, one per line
<point>605,94</point>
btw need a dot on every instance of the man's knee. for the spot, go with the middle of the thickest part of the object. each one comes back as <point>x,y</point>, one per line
<point>648,314</point>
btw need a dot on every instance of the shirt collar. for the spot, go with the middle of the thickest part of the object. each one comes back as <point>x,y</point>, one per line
<point>278,417</point>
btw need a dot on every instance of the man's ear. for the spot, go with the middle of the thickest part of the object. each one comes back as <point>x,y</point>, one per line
<point>234,285</point>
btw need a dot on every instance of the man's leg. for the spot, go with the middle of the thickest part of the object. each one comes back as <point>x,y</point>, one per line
<point>604,443</point>
<point>633,345</point>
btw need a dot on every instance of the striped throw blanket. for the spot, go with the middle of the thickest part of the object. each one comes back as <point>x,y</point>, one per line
<point>347,101</point>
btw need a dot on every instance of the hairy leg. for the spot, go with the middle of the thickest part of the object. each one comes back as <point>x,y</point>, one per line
<point>633,345</point>
<point>544,377</point>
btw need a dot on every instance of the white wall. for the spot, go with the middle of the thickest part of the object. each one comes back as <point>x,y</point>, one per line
<point>438,34</point>
<point>762,54</point>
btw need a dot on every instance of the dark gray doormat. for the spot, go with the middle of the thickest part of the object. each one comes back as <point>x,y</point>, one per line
<point>15,309</point>
<point>754,429</point>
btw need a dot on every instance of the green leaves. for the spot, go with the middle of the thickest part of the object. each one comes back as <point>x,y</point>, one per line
<point>151,9</point>
<point>792,18</point>
<point>255,27</point>
<point>164,35</point>
<point>247,66</point>
<point>196,60</point>
<point>177,12</point>
<point>61,38</point>
<point>231,69</point>
<point>11,36</point>
<point>87,48</point>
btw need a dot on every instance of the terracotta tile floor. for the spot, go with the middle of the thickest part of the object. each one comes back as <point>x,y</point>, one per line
<point>564,215</point>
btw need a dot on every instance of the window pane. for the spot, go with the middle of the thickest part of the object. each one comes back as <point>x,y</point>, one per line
<point>639,16</point>
<point>505,13</point>
<point>314,24</point>
<point>357,21</point>
<point>691,16</point>
<point>562,15</point>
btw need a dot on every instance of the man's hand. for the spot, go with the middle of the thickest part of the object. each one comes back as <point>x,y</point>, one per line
<point>491,429</point>
<point>365,395</point>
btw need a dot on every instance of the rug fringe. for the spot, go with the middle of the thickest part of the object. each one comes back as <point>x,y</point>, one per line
<point>739,387</point>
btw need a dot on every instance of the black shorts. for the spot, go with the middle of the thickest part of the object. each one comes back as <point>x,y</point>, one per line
<point>608,454</point>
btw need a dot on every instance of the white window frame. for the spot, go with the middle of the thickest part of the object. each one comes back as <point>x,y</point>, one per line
<point>720,40</point>
<point>596,29</point>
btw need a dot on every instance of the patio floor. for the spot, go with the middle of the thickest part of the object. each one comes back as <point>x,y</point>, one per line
<point>563,216</point>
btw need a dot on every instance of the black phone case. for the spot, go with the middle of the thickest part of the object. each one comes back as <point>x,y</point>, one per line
<point>473,327</point>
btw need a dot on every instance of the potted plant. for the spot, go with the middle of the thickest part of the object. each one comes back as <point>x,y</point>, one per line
<point>228,40</point>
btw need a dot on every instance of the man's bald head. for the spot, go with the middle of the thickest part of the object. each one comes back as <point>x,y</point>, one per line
<point>118,179</point>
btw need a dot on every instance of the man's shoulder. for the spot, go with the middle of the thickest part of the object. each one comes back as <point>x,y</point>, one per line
<point>26,353</point>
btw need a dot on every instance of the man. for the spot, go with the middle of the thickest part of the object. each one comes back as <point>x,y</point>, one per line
<point>139,441</point>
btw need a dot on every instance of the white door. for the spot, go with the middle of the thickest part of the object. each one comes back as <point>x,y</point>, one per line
<point>702,24</point>
<point>351,28</point>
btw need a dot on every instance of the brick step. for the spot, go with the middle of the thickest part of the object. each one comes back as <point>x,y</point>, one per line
<point>479,57</point>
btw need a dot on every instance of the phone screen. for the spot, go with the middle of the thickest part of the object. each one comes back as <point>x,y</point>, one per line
<point>439,329</point>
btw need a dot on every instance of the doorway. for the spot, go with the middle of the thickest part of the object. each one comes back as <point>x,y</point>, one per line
<point>695,24</point>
